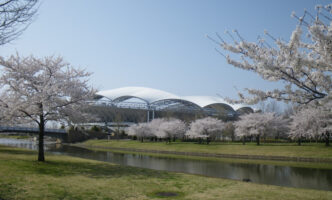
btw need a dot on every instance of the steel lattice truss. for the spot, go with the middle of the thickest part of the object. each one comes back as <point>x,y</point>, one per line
<point>157,100</point>
<point>164,105</point>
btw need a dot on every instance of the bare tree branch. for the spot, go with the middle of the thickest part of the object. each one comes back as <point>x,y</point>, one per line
<point>15,17</point>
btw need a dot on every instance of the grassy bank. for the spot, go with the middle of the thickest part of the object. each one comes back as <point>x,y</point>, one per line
<point>16,136</point>
<point>308,150</point>
<point>63,177</point>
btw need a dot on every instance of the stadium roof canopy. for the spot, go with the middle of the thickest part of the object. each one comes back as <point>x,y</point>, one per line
<point>148,95</point>
<point>158,97</point>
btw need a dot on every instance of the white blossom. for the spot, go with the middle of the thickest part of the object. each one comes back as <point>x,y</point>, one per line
<point>304,66</point>
<point>312,123</point>
<point>141,130</point>
<point>155,126</point>
<point>259,125</point>
<point>41,90</point>
<point>160,128</point>
<point>206,127</point>
<point>173,128</point>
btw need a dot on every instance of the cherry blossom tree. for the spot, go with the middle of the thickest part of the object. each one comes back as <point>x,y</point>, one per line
<point>312,123</point>
<point>304,65</point>
<point>279,126</point>
<point>248,125</point>
<point>131,130</point>
<point>173,128</point>
<point>242,129</point>
<point>229,130</point>
<point>160,128</point>
<point>304,125</point>
<point>15,16</point>
<point>209,128</point>
<point>141,130</point>
<point>155,126</point>
<point>258,125</point>
<point>325,122</point>
<point>42,90</point>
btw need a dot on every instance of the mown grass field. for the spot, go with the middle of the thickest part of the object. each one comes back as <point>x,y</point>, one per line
<point>64,177</point>
<point>310,150</point>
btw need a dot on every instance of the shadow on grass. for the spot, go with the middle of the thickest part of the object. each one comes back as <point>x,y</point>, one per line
<point>96,170</point>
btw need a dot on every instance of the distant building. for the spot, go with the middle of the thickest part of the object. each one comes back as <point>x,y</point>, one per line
<point>153,100</point>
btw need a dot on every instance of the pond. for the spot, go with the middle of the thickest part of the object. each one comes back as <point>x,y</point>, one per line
<point>259,173</point>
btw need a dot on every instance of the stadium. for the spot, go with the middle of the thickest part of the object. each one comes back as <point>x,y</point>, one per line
<point>153,100</point>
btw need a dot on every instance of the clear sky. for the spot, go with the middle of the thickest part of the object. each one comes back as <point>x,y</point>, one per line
<point>154,43</point>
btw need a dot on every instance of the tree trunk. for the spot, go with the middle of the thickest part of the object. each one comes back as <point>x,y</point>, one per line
<point>299,142</point>
<point>208,140</point>
<point>327,138</point>
<point>41,156</point>
<point>257,139</point>
<point>243,140</point>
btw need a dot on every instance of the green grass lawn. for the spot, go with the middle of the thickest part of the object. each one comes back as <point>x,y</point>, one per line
<point>64,177</point>
<point>310,150</point>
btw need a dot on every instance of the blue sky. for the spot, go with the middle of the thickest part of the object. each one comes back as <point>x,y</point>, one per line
<point>154,43</point>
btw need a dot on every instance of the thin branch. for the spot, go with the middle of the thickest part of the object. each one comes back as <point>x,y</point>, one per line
<point>29,115</point>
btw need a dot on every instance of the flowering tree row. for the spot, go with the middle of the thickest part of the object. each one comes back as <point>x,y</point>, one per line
<point>208,128</point>
<point>304,124</point>
<point>158,128</point>
<point>313,123</point>
<point>260,125</point>
<point>307,123</point>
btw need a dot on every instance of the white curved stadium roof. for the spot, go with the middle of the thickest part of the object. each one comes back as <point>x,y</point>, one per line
<point>150,96</point>
<point>147,94</point>
<point>203,101</point>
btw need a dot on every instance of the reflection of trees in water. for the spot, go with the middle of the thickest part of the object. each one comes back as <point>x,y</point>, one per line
<point>321,178</point>
<point>285,176</point>
<point>267,174</point>
<point>20,143</point>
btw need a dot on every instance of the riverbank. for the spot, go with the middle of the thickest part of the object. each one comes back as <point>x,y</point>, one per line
<point>19,137</point>
<point>314,165</point>
<point>310,152</point>
<point>64,177</point>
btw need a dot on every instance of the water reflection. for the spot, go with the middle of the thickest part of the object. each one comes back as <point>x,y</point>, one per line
<point>266,174</point>
<point>27,144</point>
